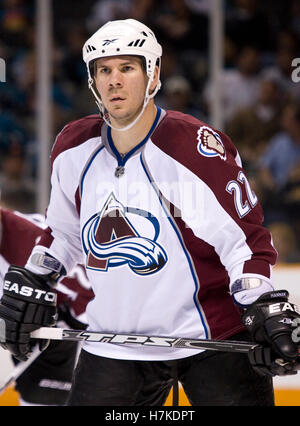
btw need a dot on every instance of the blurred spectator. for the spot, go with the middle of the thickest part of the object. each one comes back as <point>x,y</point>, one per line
<point>170,65</point>
<point>181,23</point>
<point>12,135</point>
<point>14,177</point>
<point>294,17</point>
<point>280,161</point>
<point>230,53</point>
<point>283,151</point>
<point>73,74</point>
<point>107,10</point>
<point>20,199</point>
<point>73,67</point>
<point>287,40</point>
<point>248,24</point>
<point>15,19</point>
<point>285,242</point>
<point>171,22</point>
<point>25,71</point>
<point>251,128</point>
<point>178,96</point>
<point>239,86</point>
<point>282,72</point>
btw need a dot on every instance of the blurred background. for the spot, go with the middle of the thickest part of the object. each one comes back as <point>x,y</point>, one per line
<point>234,64</point>
<point>230,63</point>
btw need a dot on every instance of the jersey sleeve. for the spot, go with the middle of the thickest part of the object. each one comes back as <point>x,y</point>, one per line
<point>226,213</point>
<point>61,238</point>
<point>234,217</point>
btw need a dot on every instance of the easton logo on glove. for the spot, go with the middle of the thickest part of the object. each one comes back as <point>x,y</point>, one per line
<point>282,307</point>
<point>30,292</point>
<point>270,321</point>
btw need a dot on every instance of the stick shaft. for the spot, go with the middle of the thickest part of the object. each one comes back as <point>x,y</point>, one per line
<point>143,340</point>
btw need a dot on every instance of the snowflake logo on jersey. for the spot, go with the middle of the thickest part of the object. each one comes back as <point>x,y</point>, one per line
<point>110,239</point>
<point>210,143</point>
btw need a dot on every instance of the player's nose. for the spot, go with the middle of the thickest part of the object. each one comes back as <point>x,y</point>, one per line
<point>116,79</point>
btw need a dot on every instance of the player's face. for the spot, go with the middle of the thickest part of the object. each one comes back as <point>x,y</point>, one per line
<point>121,82</point>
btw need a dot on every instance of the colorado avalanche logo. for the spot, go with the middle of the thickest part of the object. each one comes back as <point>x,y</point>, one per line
<point>210,143</point>
<point>110,240</point>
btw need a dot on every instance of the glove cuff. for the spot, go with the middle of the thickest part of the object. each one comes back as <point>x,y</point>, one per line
<point>278,295</point>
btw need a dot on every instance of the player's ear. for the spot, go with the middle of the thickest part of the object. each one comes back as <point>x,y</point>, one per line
<point>155,79</point>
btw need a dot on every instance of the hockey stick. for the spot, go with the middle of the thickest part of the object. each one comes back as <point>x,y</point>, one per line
<point>130,339</point>
<point>19,369</point>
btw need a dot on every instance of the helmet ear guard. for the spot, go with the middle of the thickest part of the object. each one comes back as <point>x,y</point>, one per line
<point>123,37</point>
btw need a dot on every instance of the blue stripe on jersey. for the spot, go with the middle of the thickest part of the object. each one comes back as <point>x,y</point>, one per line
<point>122,160</point>
<point>87,168</point>
<point>194,275</point>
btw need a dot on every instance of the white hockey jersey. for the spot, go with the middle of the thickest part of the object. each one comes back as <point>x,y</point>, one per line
<point>164,230</point>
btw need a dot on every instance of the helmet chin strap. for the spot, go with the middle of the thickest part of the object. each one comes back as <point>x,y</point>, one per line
<point>102,108</point>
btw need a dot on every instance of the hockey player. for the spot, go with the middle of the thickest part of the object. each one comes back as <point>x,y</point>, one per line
<point>171,232</point>
<point>47,381</point>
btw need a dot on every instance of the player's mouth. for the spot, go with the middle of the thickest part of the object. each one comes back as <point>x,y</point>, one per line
<point>116,99</point>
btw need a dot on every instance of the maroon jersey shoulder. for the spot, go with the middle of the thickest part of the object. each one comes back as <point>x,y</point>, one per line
<point>19,235</point>
<point>189,140</point>
<point>75,133</point>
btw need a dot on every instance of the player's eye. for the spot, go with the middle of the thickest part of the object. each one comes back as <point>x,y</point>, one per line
<point>126,68</point>
<point>103,70</point>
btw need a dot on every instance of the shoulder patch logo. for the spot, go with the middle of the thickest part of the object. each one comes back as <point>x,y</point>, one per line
<point>210,143</point>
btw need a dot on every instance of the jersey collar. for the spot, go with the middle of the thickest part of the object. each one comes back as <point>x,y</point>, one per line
<point>122,159</point>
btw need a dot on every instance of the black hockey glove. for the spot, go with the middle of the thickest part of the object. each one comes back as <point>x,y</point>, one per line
<point>272,321</point>
<point>28,302</point>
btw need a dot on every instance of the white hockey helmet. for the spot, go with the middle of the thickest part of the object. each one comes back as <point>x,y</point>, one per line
<point>123,37</point>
